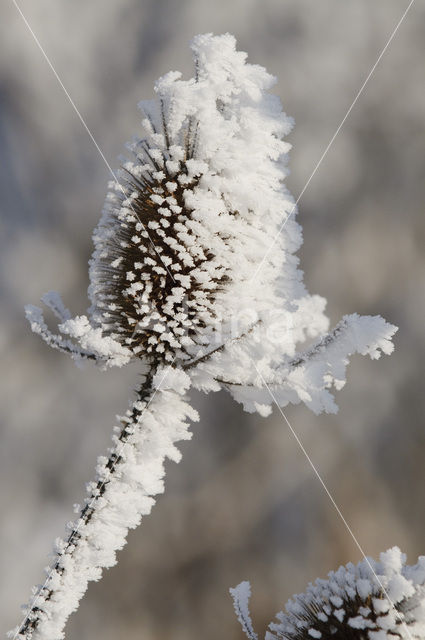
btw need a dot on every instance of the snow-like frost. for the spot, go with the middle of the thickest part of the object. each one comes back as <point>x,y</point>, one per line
<point>218,138</point>
<point>182,278</point>
<point>121,495</point>
<point>241,595</point>
<point>91,339</point>
<point>368,601</point>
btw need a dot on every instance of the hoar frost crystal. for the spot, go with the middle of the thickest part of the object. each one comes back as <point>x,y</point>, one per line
<point>174,282</point>
<point>382,600</point>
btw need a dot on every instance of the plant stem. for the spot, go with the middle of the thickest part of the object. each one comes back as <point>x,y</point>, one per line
<point>80,541</point>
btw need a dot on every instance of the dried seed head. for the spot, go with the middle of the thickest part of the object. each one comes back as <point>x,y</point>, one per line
<point>154,279</point>
<point>370,601</point>
<point>194,261</point>
<point>189,218</point>
<point>181,232</point>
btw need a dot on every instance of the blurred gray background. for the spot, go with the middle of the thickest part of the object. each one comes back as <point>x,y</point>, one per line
<point>244,503</point>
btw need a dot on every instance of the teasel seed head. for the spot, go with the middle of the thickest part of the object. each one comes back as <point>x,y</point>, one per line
<point>154,278</point>
<point>372,600</point>
<point>194,259</point>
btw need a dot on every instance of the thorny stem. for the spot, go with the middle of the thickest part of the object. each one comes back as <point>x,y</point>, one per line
<point>32,618</point>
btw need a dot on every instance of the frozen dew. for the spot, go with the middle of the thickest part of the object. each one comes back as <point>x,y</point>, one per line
<point>372,600</point>
<point>192,214</point>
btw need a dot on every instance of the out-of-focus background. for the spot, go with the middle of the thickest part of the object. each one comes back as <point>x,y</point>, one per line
<point>244,503</point>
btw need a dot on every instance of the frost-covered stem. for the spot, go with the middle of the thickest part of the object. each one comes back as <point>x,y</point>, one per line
<point>70,545</point>
<point>241,595</point>
<point>320,346</point>
<point>126,481</point>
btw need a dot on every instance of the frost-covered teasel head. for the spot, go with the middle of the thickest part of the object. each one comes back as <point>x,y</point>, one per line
<point>182,270</point>
<point>382,600</point>
<point>182,230</point>
<point>194,274</point>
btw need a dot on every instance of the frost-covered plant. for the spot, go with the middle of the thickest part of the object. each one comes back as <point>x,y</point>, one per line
<point>382,600</point>
<point>175,283</point>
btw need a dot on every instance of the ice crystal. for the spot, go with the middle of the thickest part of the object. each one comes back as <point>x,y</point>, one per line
<point>372,600</point>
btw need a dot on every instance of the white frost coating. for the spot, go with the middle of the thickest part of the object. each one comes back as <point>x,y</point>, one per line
<point>53,300</point>
<point>105,348</point>
<point>174,279</point>
<point>219,136</point>
<point>121,495</point>
<point>303,377</point>
<point>368,601</point>
<point>241,595</point>
<point>87,341</point>
<point>171,379</point>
